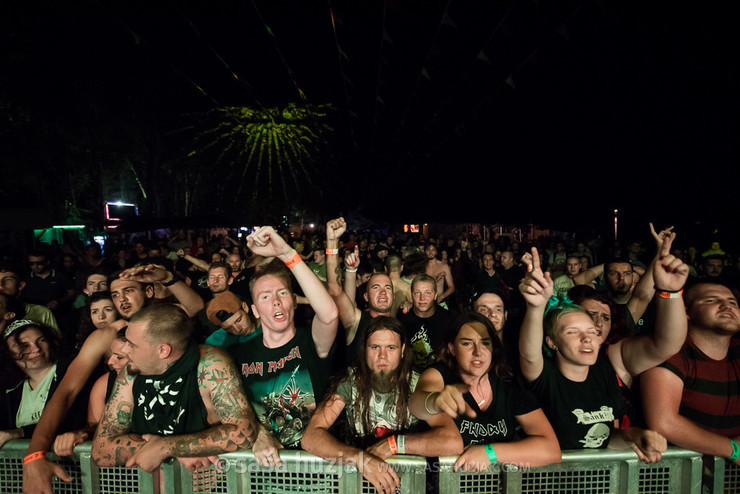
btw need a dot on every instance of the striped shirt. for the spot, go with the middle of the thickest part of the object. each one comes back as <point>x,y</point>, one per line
<point>711,388</point>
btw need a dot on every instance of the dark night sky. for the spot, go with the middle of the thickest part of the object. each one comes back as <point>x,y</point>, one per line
<point>555,112</point>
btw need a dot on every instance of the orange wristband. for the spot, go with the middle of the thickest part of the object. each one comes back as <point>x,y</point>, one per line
<point>293,260</point>
<point>392,445</point>
<point>668,294</point>
<point>33,457</point>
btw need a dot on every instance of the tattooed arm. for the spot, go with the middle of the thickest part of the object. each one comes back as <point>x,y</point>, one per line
<point>113,444</point>
<point>221,389</point>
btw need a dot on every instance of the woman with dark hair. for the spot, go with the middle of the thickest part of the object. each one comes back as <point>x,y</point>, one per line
<point>472,383</point>
<point>99,311</point>
<point>34,361</point>
<point>609,322</point>
<point>374,395</point>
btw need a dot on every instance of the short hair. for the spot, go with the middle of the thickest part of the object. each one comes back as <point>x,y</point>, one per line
<point>117,276</point>
<point>394,263</point>
<point>10,267</point>
<point>555,314</point>
<point>494,291</point>
<point>616,260</point>
<point>220,264</point>
<point>97,270</point>
<point>166,323</point>
<point>38,253</point>
<point>421,278</point>
<point>274,268</point>
<point>690,295</point>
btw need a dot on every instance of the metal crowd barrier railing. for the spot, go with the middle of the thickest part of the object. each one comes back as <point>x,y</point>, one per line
<point>581,472</point>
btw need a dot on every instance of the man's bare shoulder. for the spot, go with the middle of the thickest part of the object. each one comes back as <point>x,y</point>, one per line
<point>214,357</point>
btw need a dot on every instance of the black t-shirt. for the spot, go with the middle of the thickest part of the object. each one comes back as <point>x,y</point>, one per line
<point>283,384</point>
<point>582,413</point>
<point>498,422</point>
<point>425,335</point>
<point>484,283</point>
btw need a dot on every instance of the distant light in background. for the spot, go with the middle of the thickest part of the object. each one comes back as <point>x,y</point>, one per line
<point>616,211</point>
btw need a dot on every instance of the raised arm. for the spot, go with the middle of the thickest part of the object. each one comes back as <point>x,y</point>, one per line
<point>267,242</point>
<point>349,314</point>
<point>188,299</point>
<point>198,263</point>
<point>633,355</point>
<point>536,288</point>
<point>589,275</point>
<point>351,263</point>
<point>644,291</point>
<point>37,474</point>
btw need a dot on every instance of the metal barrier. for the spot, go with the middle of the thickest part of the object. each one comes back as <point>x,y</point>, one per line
<point>581,472</point>
<point>721,476</point>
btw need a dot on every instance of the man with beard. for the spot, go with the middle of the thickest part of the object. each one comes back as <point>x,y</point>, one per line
<point>285,370</point>
<point>426,321</point>
<point>378,294</point>
<point>374,394</point>
<point>131,290</point>
<point>693,398</point>
<point>204,411</point>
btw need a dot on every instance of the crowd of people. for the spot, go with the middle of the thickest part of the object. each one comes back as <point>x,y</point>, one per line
<point>359,345</point>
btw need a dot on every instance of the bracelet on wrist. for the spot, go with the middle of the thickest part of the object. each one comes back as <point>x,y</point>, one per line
<point>426,406</point>
<point>401,442</point>
<point>668,293</point>
<point>490,453</point>
<point>291,263</point>
<point>392,445</point>
<point>33,457</point>
<point>332,252</point>
<point>348,270</point>
<point>735,451</point>
<point>174,280</point>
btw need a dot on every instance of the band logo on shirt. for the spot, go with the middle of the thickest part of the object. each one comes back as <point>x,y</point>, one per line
<point>604,414</point>
<point>476,429</point>
<point>272,366</point>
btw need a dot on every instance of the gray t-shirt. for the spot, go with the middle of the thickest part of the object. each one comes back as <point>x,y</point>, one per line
<point>383,414</point>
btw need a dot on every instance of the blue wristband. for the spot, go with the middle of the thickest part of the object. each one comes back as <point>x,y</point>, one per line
<point>491,453</point>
